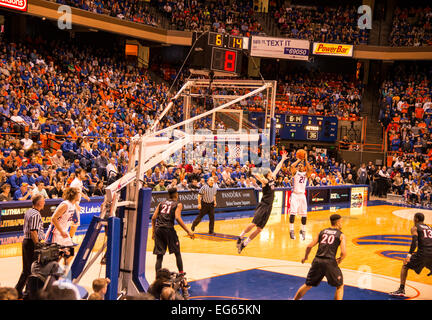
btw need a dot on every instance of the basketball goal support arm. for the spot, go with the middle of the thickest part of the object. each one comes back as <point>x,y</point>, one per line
<point>168,107</point>
<point>205,114</point>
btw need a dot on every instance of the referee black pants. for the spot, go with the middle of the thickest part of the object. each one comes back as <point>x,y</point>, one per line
<point>28,257</point>
<point>206,208</point>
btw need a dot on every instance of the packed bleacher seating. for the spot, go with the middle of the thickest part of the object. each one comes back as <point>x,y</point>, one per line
<point>411,27</point>
<point>331,94</point>
<point>321,24</point>
<point>66,106</point>
<point>236,18</point>
<point>406,111</point>
<point>131,10</point>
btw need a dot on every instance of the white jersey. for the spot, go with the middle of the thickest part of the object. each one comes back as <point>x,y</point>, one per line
<point>299,182</point>
<point>77,183</point>
<point>65,221</point>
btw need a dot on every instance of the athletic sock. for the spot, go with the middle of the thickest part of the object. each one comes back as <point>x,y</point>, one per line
<point>245,243</point>
<point>402,287</point>
<point>291,226</point>
<point>303,227</point>
<point>242,234</point>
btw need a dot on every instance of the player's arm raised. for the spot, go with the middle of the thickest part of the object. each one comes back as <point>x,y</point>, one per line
<point>280,164</point>
<point>293,166</point>
<point>413,244</point>
<point>309,248</point>
<point>180,221</point>
<point>309,168</point>
<point>261,178</point>
<point>343,249</point>
<point>153,220</point>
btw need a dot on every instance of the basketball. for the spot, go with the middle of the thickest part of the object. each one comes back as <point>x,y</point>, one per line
<point>301,154</point>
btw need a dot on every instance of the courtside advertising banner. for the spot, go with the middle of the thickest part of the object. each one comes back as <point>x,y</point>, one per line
<point>20,5</point>
<point>332,49</point>
<point>280,48</point>
<point>359,197</point>
<point>340,195</point>
<point>12,213</point>
<point>225,198</point>
<point>318,196</point>
<point>277,202</point>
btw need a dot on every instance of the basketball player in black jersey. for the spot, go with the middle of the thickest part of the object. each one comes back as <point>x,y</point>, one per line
<point>164,234</point>
<point>325,262</point>
<point>422,240</point>
<point>264,208</point>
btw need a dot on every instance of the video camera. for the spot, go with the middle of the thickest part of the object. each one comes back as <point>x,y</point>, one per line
<point>47,252</point>
<point>179,284</point>
<point>166,278</point>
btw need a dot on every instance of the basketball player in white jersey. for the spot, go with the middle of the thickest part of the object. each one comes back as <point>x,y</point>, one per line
<point>63,218</point>
<point>80,175</point>
<point>298,202</point>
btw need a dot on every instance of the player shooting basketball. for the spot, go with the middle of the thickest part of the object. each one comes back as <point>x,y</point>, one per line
<point>264,208</point>
<point>298,203</point>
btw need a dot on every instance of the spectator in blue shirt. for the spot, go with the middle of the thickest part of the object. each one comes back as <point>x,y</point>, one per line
<point>29,178</point>
<point>33,167</point>
<point>69,148</point>
<point>22,193</point>
<point>16,180</point>
<point>75,165</point>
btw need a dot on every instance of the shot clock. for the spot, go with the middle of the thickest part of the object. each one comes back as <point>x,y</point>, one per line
<point>221,52</point>
<point>225,60</point>
<point>226,55</point>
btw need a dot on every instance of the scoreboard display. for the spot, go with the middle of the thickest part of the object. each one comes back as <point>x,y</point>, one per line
<point>302,127</point>
<point>224,51</point>
<point>306,127</point>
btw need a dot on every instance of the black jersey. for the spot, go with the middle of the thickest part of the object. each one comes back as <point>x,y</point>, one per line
<point>424,239</point>
<point>329,241</point>
<point>166,215</point>
<point>268,192</point>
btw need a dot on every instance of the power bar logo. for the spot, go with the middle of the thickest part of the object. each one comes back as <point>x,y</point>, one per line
<point>20,5</point>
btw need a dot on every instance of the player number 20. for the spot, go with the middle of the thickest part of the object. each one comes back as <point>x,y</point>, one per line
<point>327,239</point>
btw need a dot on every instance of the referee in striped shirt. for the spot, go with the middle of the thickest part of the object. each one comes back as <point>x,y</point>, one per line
<point>206,204</point>
<point>33,234</point>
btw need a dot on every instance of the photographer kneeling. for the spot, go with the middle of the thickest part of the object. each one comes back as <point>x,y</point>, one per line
<point>46,269</point>
<point>168,286</point>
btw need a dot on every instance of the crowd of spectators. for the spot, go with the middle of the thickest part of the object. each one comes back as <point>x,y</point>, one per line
<point>330,94</point>
<point>406,111</point>
<point>131,10</point>
<point>411,27</point>
<point>232,17</point>
<point>192,175</point>
<point>321,24</point>
<point>88,99</point>
<point>92,103</point>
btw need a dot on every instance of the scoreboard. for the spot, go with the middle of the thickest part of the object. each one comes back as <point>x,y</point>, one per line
<point>224,51</point>
<point>302,127</point>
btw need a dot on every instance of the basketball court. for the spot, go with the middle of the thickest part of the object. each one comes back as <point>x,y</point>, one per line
<point>269,267</point>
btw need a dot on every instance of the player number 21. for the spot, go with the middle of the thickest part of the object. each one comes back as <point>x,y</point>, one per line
<point>327,239</point>
<point>427,233</point>
<point>165,209</point>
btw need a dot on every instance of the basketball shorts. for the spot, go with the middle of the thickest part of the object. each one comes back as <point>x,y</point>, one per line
<point>262,214</point>
<point>298,204</point>
<point>54,236</point>
<point>324,268</point>
<point>418,262</point>
<point>166,238</point>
